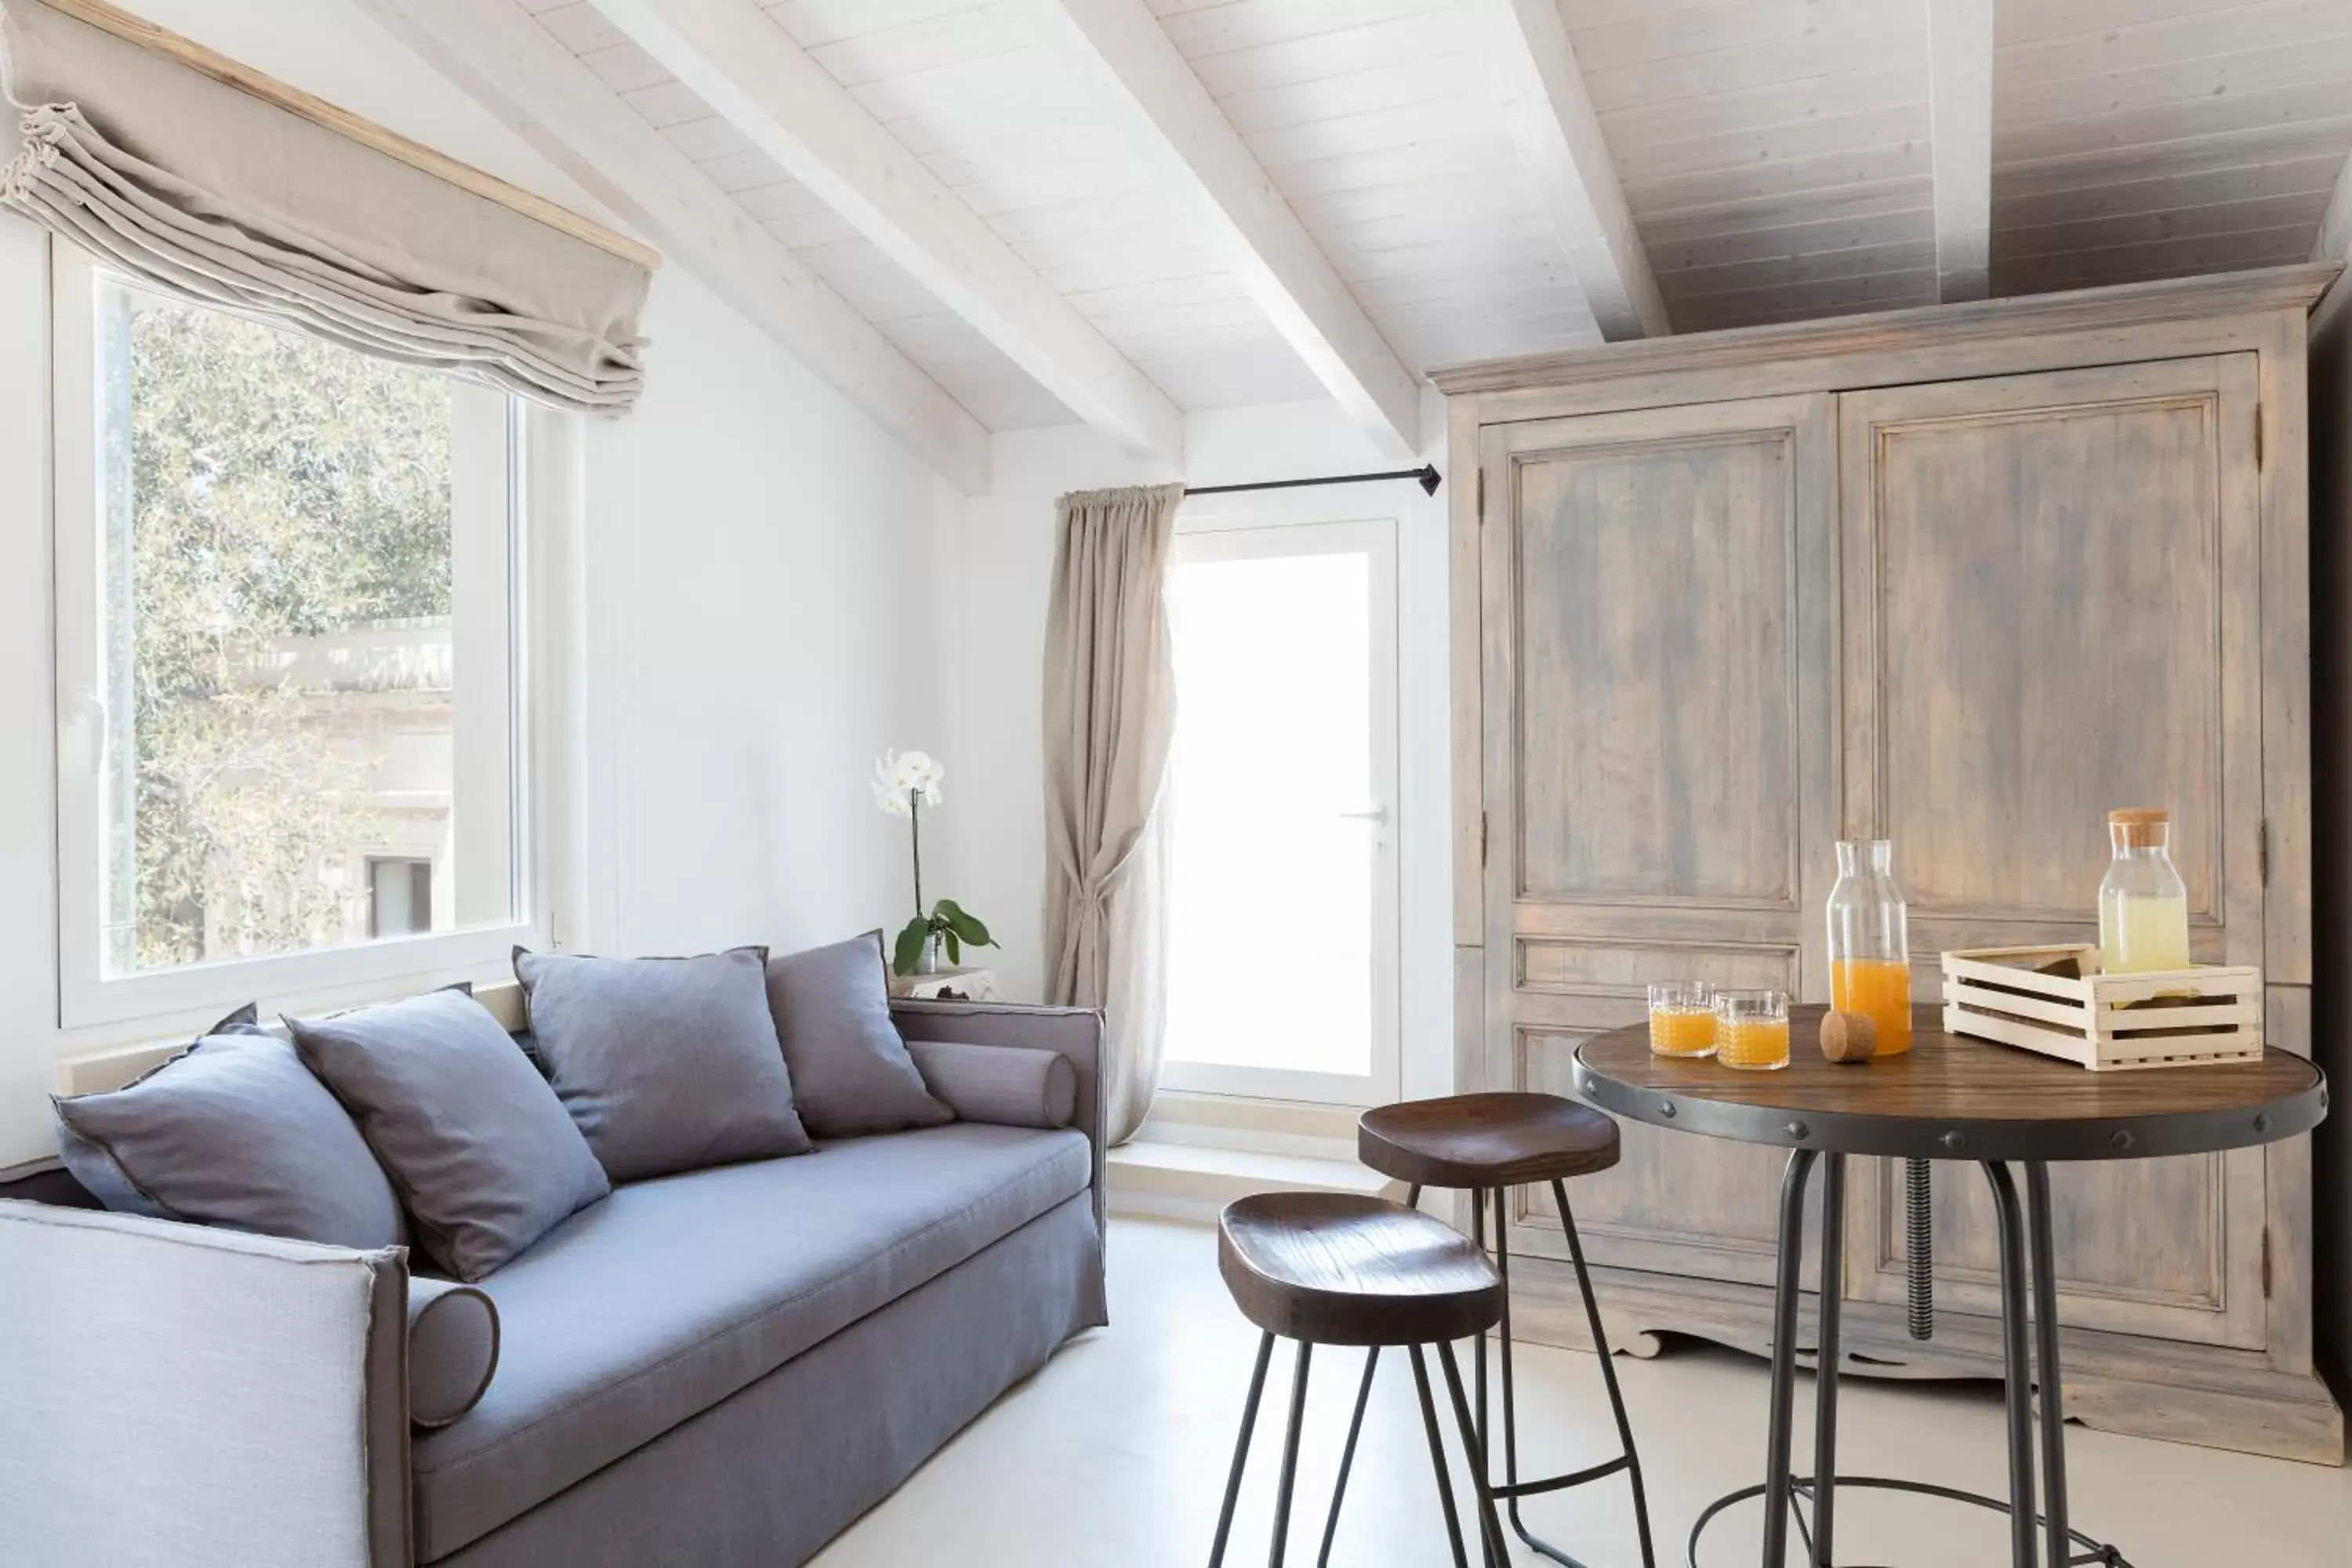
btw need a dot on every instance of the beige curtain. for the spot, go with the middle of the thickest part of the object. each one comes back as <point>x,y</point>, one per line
<point>216,195</point>
<point>1110,715</point>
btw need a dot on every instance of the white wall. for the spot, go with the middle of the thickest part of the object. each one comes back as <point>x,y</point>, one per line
<point>996,605</point>
<point>752,574</point>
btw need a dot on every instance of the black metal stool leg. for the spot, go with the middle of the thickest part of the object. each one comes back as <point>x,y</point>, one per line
<point>1608,1372</point>
<point>1478,1367</point>
<point>1825,1359</point>
<point>2045,1357</point>
<point>1240,1451</point>
<point>1289,1459</point>
<point>1348,1454</point>
<point>2017,1371</point>
<point>1510,1411</point>
<point>1788,1285</point>
<point>1437,1457</point>
<point>1356,1426</point>
<point>1490,1530</point>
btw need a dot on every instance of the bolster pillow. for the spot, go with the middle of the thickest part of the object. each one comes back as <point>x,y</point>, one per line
<point>453,1349</point>
<point>1011,1086</point>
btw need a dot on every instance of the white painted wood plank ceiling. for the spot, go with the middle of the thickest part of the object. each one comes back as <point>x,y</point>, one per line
<point>1776,157</point>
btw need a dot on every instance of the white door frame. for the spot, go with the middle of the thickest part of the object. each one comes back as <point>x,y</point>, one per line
<point>1234,535</point>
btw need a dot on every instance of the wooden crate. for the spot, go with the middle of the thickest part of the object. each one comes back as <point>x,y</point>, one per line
<point>2174,1017</point>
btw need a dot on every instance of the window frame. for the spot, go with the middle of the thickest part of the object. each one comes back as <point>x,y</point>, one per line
<point>1262,531</point>
<point>87,994</point>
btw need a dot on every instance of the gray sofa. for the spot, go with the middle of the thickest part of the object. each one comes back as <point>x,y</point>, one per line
<point>719,1368</point>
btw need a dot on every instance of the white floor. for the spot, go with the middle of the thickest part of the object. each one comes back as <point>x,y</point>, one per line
<point>1114,1457</point>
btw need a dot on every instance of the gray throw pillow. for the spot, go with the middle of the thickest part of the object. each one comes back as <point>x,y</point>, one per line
<point>851,1072</point>
<point>233,1131</point>
<point>476,1143</point>
<point>665,1063</point>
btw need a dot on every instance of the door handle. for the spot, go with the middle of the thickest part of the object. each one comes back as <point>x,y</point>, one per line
<point>1378,814</point>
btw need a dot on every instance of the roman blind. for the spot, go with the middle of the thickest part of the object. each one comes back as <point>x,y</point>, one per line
<point>193,175</point>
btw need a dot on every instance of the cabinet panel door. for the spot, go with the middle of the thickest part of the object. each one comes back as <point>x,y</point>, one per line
<point>2050,595</point>
<point>1657,648</point>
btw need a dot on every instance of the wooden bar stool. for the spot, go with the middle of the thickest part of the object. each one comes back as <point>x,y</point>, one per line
<point>1487,1144</point>
<point>1336,1269</point>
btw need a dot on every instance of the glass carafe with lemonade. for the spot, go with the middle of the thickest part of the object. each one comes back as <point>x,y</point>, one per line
<point>1870,942</point>
<point>2143,903</point>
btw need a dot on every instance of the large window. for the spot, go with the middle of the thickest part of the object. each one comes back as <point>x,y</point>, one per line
<point>289,721</point>
<point>1282,784</point>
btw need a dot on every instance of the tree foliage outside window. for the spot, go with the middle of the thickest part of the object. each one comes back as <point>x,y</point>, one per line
<point>277,487</point>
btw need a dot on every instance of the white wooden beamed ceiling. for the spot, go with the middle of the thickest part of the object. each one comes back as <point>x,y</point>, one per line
<point>1778,159</point>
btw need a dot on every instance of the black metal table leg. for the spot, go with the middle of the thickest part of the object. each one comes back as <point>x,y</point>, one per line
<point>2057,1530</point>
<point>1289,1459</point>
<point>2017,1369</point>
<point>1787,1290</point>
<point>1240,1451</point>
<point>1825,1359</point>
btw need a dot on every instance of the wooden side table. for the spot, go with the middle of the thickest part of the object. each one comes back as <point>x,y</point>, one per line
<point>969,985</point>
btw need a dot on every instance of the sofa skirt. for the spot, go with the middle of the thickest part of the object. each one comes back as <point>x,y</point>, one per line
<point>766,1477</point>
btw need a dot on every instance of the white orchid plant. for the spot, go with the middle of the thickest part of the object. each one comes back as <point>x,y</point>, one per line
<point>905,782</point>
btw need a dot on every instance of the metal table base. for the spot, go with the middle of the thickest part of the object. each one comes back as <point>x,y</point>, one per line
<point>2028,1318</point>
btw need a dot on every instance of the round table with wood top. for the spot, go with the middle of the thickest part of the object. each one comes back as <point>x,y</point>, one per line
<point>1949,1098</point>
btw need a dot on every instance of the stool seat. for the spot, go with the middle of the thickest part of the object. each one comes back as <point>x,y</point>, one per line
<point>1341,1269</point>
<point>1486,1140</point>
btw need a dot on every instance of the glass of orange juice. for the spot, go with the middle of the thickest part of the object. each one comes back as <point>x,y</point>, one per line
<point>1682,1018</point>
<point>1751,1030</point>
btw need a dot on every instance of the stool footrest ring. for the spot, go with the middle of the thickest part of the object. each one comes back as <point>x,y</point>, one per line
<point>2094,1552</point>
<point>1562,1483</point>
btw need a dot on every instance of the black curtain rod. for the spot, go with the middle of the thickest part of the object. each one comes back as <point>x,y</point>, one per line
<point>1426,477</point>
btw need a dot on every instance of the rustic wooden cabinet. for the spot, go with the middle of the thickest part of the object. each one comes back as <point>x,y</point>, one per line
<point>1962,578</point>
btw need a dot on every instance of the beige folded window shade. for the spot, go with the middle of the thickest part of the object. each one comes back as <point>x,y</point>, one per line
<point>138,148</point>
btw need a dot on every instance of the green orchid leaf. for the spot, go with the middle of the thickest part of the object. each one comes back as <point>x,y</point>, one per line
<point>965,924</point>
<point>908,952</point>
<point>955,948</point>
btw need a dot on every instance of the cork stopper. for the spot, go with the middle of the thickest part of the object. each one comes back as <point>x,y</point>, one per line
<point>1849,1037</point>
<point>2139,827</point>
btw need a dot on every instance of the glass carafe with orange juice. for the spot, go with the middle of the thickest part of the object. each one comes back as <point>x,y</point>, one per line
<point>1870,942</point>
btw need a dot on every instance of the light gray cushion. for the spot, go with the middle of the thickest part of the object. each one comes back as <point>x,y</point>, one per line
<point>1008,1085</point>
<point>665,1063</point>
<point>232,1131</point>
<point>453,1349</point>
<point>851,1072</point>
<point>476,1143</point>
<point>674,1294</point>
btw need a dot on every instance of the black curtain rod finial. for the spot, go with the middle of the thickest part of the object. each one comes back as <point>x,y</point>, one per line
<point>1426,477</point>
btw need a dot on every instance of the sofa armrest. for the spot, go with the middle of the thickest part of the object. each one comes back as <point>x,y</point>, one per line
<point>202,1397</point>
<point>1076,1032</point>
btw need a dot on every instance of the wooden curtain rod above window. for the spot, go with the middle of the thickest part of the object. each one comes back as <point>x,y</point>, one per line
<point>367,133</point>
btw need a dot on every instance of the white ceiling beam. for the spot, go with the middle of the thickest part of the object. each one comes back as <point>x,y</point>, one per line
<point>2335,241</point>
<point>1959,76</point>
<point>1532,67</point>
<point>494,52</point>
<point>1174,120</point>
<point>744,64</point>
